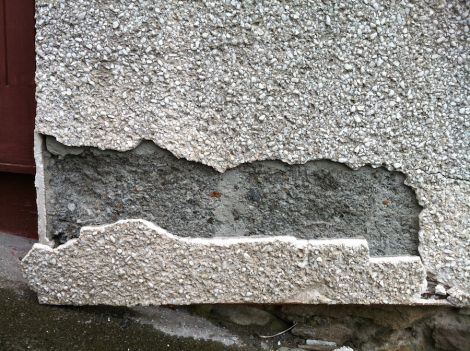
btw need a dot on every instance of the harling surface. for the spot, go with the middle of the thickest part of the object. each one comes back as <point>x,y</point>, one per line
<point>223,83</point>
<point>137,263</point>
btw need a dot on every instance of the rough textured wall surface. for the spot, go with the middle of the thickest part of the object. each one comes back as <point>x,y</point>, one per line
<point>25,323</point>
<point>319,199</point>
<point>225,83</point>
<point>134,262</point>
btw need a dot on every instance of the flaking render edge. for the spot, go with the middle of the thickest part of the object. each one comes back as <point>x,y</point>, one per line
<point>437,200</point>
<point>135,262</point>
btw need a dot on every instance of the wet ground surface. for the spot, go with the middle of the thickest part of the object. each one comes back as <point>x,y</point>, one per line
<point>27,325</point>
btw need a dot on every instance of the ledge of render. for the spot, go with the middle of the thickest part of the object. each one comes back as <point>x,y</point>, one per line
<point>108,265</point>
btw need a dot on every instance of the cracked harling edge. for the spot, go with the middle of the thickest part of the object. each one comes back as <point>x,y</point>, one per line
<point>107,265</point>
<point>46,240</point>
<point>39,183</point>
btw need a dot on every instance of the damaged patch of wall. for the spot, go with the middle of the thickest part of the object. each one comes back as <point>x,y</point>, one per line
<point>320,199</point>
<point>227,83</point>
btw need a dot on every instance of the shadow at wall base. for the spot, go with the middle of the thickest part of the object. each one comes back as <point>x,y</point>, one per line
<point>18,214</point>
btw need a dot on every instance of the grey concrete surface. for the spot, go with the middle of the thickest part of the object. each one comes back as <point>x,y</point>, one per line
<point>319,199</point>
<point>27,325</point>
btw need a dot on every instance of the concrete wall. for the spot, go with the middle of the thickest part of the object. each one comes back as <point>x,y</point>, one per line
<point>312,87</point>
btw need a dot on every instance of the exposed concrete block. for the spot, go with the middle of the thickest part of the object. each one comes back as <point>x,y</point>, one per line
<point>137,263</point>
<point>319,199</point>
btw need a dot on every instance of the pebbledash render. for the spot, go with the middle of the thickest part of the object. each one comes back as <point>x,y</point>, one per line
<point>252,152</point>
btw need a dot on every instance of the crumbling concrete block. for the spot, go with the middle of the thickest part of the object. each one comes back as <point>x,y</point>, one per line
<point>316,200</point>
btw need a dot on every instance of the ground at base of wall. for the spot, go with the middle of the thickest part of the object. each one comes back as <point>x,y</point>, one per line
<point>24,324</point>
<point>27,325</point>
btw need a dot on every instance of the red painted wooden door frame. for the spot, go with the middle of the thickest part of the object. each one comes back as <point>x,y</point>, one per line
<point>17,102</point>
<point>17,112</point>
